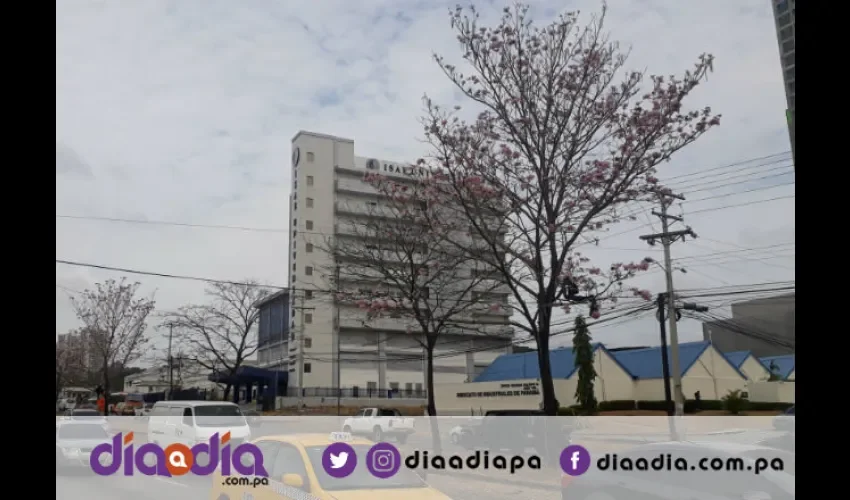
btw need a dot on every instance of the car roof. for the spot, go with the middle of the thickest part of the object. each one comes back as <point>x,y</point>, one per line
<point>312,439</point>
<point>194,403</point>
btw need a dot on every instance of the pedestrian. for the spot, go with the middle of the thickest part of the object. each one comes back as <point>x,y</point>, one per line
<point>697,401</point>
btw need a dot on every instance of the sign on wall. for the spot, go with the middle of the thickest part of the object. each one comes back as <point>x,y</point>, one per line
<point>506,390</point>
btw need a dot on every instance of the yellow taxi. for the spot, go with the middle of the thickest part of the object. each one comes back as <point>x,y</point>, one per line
<point>294,465</point>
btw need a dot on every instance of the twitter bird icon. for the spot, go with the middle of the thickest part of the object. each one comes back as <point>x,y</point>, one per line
<point>339,460</point>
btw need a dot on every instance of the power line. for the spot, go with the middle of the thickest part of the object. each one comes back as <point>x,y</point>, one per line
<point>730,165</point>
<point>170,223</point>
<point>754,202</point>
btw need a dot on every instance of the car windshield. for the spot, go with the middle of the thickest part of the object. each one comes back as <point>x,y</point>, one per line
<point>218,416</point>
<point>361,478</point>
<point>78,431</point>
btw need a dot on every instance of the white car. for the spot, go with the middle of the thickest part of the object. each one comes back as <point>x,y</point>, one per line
<point>379,423</point>
<point>75,441</point>
<point>193,422</point>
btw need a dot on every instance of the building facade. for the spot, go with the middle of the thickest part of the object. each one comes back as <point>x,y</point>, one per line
<point>785,17</point>
<point>330,345</point>
<point>757,326</point>
<point>273,331</point>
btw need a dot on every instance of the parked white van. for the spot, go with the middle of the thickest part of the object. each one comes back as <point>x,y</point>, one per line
<point>193,422</point>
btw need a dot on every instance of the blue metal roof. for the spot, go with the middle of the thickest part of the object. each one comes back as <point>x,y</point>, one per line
<point>646,363</point>
<point>737,358</point>
<point>784,364</point>
<point>525,366</point>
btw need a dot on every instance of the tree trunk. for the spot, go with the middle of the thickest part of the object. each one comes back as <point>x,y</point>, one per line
<point>432,406</point>
<point>58,387</point>
<point>227,388</point>
<point>106,387</point>
<point>547,386</point>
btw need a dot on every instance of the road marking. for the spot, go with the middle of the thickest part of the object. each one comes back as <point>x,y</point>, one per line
<point>170,481</point>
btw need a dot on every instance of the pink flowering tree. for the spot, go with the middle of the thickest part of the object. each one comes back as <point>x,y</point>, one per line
<point>398,273</point>
<point>564,144</point>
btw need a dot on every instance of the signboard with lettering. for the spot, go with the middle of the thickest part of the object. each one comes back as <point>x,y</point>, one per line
<point>506,390</point>
<point>398,169</point>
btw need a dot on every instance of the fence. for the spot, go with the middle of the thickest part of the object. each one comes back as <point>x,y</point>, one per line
<point>356,392</point>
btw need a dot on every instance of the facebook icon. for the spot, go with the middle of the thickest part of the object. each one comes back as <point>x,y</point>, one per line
<point>575,460</point>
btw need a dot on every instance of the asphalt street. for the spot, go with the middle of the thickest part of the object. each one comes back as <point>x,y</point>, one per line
<point>84,485</point>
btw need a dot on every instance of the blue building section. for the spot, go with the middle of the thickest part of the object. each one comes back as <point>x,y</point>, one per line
<point>525,366</point>
<point>782,365</point>
<point>737,358</point>
<point>646,363</point>
<point>274,319</point>
<point>642,363</point>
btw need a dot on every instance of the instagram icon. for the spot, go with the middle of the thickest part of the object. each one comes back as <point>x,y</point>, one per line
<point>383,460</point>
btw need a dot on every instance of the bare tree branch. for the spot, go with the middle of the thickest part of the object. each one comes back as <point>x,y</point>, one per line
<point>115,322</point>
<point>392,262</point>
<point>220,335</point>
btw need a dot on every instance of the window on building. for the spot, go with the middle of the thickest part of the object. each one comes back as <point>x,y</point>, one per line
<point>295,222</point>
<point>294,233</point>
<point>308,342</point>
<point>781,7</point>
<point>394,386</point>
<point>295,206</point>
<point>308,318</point>
<point>408,387</point>
<point>308,294</point>
<point>293,267</point>
<point>309,180</point>
<point>789,59</point>
<point>791,87</point>
<point>784,19</point>
<point>418,387</point>
<point>787,46</point>
<point>294,256</point>
<point>790,74</point>
<point>310,157</point>
<point>307,367</point>
<point>309,202</point>
<point>309,247</point>
<point>371,385</point>
<point>295,184</point>
<point>786,33</point>
<point>309,225</point>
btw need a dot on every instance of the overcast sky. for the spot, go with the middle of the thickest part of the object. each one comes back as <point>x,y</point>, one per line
<point>183,111</point>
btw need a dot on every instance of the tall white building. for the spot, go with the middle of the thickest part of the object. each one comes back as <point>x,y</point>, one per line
<point>329,340</point>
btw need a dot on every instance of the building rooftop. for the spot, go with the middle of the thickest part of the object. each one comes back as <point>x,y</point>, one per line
<point>524,365</point>
<point>270,298</point>
<point>737,358</point>
<point>784,364</point>
<point>646,363</point>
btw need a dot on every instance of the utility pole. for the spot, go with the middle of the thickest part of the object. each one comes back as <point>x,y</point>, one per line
<point>667,238</point>
<point>661,302</point>
<point>170,362</point>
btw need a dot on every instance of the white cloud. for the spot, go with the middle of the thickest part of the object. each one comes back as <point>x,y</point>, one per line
<point>183,111</point>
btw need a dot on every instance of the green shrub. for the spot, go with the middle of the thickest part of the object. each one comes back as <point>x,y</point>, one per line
<point>734,402</point>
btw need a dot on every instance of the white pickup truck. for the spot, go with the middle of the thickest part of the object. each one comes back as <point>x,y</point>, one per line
<point>379,423</point>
